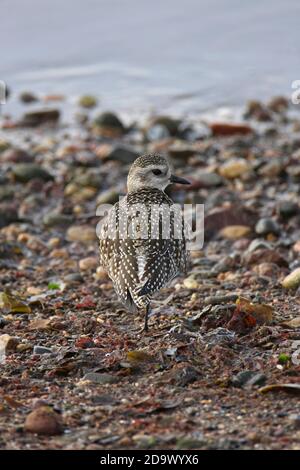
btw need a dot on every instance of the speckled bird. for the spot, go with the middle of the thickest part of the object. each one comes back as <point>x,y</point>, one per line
<point>143,261</point>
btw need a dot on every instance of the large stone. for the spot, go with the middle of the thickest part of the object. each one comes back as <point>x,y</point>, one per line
<point>25,172</point>
<point>234,215</point>
<point>266,225</point>
<point>223,129</point>
<point>45,421</point>
<point>292,281</point>
<point>37,118</point>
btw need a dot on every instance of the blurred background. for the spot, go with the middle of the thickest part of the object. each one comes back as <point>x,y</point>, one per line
<point>172,55</point>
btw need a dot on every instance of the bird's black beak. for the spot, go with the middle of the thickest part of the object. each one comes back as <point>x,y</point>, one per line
<point>178,180</point>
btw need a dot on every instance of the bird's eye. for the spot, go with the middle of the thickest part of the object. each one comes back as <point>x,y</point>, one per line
<point>157,172</point>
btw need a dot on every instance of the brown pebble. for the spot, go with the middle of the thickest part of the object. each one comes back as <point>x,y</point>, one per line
<point>44,420</point>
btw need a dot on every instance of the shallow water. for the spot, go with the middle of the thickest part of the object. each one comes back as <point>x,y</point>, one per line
<point>171,55</point>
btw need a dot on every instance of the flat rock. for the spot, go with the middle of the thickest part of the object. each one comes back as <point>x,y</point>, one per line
<point>81,233</point>
<point>102,379</point>
<point>25,172</point>
<point>37,118</point>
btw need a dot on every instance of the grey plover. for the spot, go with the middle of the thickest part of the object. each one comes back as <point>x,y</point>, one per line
<point>144,258</point>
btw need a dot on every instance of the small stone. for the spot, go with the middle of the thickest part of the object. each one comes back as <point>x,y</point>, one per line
<point>256,110</point>
<point>25,172</point>
<point>59,253</point>
<point>3,322</point>
<point>295,420</point>
<point>296,126</point>
<point>109,125</point>
<point>110,196</point>
<point>233,232</point>
<point>73,278</point>
<point>41,350</point>
<point>89,263</point>
<point>53,242</point>
<point>8,343</point>
<point>28,97</point>
<point>84,194</point>
<point>272,168</point>
<point>294,173</point>
<point>4,145</point>
<point>292,281</point>
<point>88,101</point>
<point>267,269</point>
<point>70,189</point>
<point>248,378</point>
<point>102,379</point>
<point>265,226</point>
<point>101,274</point>
<point>209,179</point>
<point>54,219</point>
<point>81,233</point>
<point>37,118</point>
<point>269,256</point>
<point>296,247</point>
<point>220,336</point>
<point>53,97</point>
<point>44,421</point>
<point>185,375</point>
<point>162,127</point>
<point>224,129</point>
<point>16,155</point>
<point>278,104</point>
<point>120,153</point>
<point>90,178</point>
<point>234,215</point>
<point>6,192</point>
<point>288,209</point>
<point>190,283</point>
<point>234,168</point>
<point>8,214</point>
<point>22,347</point>
<point>181,150</point>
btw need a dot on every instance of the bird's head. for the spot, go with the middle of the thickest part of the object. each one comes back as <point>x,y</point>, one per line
<point>151,171</point>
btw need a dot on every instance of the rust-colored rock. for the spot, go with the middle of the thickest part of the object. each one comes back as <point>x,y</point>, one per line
<point>44,421</point>
<point>223,129</point>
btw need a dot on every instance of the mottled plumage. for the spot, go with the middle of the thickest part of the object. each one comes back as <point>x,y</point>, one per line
<point>143,260</point>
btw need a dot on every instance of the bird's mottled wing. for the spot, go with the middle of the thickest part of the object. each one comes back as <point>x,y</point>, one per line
<point>118,256</point>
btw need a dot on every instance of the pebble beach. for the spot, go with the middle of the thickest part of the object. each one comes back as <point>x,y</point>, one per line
<point>219,368</point>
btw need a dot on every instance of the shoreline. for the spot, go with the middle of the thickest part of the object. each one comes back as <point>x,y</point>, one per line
<point>227,332</point>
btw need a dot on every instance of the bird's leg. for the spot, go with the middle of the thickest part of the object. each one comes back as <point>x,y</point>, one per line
<point>146,318</point>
